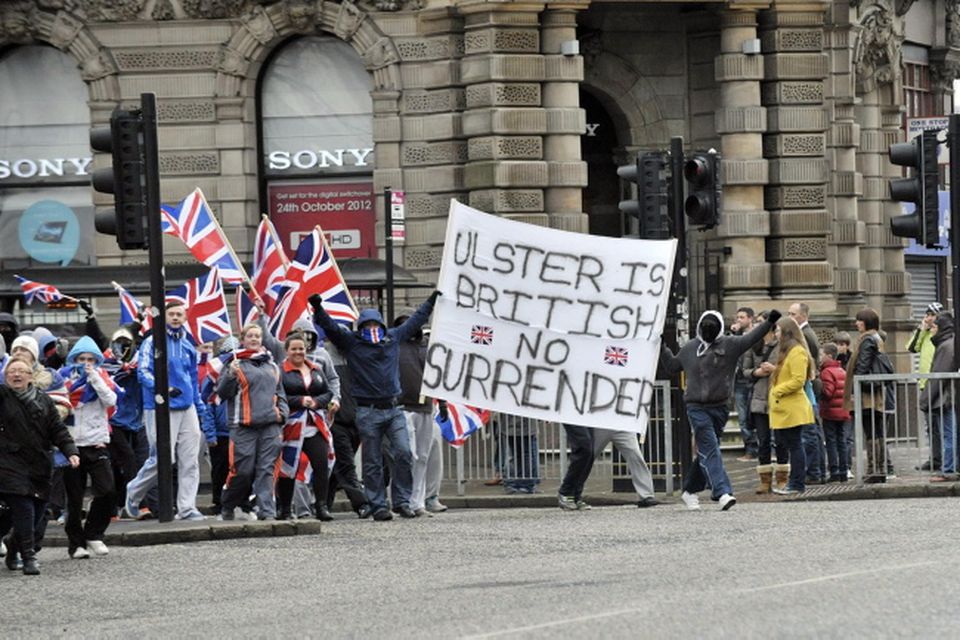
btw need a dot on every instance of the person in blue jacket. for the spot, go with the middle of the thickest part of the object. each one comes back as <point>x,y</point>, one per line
<point>188,414</point>
<point>373,356</point>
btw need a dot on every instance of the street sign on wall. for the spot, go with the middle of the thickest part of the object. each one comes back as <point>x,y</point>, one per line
<point>916,126</point>
<point>398,216</point>
<point>344,210</point>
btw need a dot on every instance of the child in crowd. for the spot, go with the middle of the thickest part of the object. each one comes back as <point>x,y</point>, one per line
<point>832,413</point>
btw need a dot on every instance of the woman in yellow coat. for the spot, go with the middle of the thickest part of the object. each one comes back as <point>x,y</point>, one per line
<point>790,407</point>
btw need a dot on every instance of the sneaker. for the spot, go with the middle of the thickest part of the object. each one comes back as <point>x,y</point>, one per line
<point>422,513</point>
<point>648,501</point>
<point>145,514</point>
<point>567,503</point>
<point>62,520</point>
<point>583,506</point>
<point>434,505</point>
<point>194,516</point>
<point>97,548</point>
<point>131,510</point>
<point>3,549</point>
<point>692,501</point>
<point>226,515</point>
<point>248,515</point>
<point>849,475</point>
<point>727,501</point>
<point>382,515</point>
<point>787,491</point>
<point>510,490</point>
<point>80,554</point>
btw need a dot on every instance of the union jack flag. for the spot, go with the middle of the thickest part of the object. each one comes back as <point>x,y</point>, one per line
<point>313,271</point>
<point>270,264</point>
<point>194,223</point>
<point>480,334</point>
<point>462,420</point>
<point>293,461</point>
<point>616,356</point>
<point>209,367</point>
<point>81,391</point>
<point>207,316</point>
<point>131,310</point>
<point>247,312</point>
<point>45,293</point>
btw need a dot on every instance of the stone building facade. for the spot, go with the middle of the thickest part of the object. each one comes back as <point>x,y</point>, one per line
<point>485,101</point>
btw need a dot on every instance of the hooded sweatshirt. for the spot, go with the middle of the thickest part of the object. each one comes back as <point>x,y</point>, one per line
<point>129,411</point>
<point>375,366</point>
<point>710,366</point>
<point>91,395</point>
<point>11,321</point>
<point>318,356</point>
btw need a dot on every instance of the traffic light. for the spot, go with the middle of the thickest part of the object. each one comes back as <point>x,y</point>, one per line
<point>923,225</point>
<point>126,179</point>
<point>702,173</point>
<point>649,207</point>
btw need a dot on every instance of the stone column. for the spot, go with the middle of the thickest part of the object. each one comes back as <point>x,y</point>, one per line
<point>870,162</point>
<point>846,185</point>
<point>504,122</point>
<point>566,122</point>
<point>795,144</point>
<point>741,121</point>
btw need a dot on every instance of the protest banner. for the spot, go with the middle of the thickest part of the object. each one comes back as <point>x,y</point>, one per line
<point>548,324</point>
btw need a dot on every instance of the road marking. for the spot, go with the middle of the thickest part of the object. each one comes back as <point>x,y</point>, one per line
<point>620,612</point>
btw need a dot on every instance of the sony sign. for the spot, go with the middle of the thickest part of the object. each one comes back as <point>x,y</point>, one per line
<point>44,168</point>
<point>307,159</point>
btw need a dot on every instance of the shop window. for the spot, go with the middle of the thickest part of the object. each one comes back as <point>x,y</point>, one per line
<point>316,124</point>
<point>46,210</point>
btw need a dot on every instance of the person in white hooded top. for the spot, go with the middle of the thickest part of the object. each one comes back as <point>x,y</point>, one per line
<point>709,362</point>
<point>92,394</point>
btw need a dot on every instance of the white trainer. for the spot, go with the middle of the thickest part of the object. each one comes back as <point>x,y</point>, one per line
<point>3,549</point>
<point>727,501</point>
<point>97,547</point>
<point>80,554</point>
<point>692,501</point>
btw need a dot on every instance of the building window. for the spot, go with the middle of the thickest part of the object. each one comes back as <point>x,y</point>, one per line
<point>917,94</point>
<point>316,117</point>
<point>46,208</point>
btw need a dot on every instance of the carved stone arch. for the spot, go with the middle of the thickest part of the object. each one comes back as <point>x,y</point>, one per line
<point>264,28</point>
<point>630,99</point>
<point>24,23</point>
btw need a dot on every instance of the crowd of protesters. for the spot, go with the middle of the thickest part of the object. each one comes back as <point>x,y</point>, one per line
<point>282,420</point>
<point>281,423</point>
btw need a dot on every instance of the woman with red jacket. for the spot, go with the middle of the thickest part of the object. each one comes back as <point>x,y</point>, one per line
<point>834,416</point>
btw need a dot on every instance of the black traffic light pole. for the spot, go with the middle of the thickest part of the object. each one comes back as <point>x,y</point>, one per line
<point>683,452</point>
<point>388,251</point>
<point>953,142</point>
<point>151,170</point>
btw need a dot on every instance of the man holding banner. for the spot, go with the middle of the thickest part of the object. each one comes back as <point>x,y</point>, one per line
<point>709,362</point>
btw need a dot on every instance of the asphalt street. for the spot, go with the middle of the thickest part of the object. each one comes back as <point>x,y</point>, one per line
<point>872,568</point>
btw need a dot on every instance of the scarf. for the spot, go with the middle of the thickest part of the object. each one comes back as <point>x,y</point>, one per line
<point>28,396</point>
<point>373,335</point>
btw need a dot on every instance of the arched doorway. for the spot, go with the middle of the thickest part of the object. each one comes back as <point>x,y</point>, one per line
<point>600,147</point>
<point>316,144</point>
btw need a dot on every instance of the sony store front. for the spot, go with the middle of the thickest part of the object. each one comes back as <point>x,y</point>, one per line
<point>46,211</point>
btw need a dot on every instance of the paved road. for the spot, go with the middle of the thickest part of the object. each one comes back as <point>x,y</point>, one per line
<point>883,568</point>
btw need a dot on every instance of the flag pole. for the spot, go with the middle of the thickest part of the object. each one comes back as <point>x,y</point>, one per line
<point>276,239</point>
<point>226,243</point>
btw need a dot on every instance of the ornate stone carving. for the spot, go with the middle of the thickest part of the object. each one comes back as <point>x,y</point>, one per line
<point>232,63</point>
<point>16,24</point>
<point>65,28</point>
<point>953,23</point>
<point>97,66</point>
<point>259,25</point>
<point>392,5</point>
<point>877,52</point>
<point>901,6</point>
<point>381,54</point>
<point>303,15</point>
<point>215,8</point>
<point>163,10</point>
<point>349,20</point>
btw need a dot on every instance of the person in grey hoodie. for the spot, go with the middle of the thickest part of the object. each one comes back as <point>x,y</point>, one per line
<point>92,394</point>
<point>709,362</point>
<point>252,387</point>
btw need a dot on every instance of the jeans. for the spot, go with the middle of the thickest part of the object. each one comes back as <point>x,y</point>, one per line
<point>812,439</point>
<point>580,441</point>
<point>943,422</point>
<point>346,441</point>
<point>792,439</point>
<point>836,447</point>
<point>707,468</point>
<point>765,442</point>
<point>27,516</point>
<point>373,424</point>
<point>742,393</point>
<point>521,471</point>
